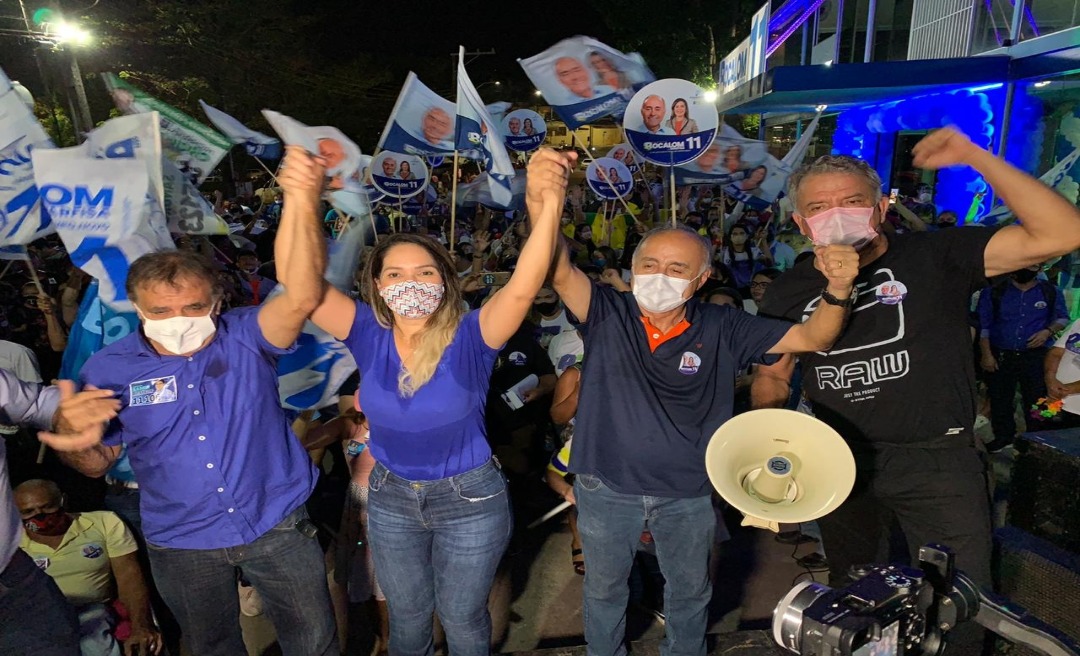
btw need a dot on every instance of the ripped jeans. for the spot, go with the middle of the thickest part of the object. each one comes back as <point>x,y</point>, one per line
<point>436,546</point>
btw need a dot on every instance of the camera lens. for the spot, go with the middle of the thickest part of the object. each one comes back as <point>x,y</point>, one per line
<point>788,614</point>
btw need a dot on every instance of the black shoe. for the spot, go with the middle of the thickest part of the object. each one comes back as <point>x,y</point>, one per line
<point>794,537</point>
<point>997,444</point>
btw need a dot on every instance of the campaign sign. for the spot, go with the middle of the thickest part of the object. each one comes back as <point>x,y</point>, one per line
<point>669,122</point>
<point>585,80</point>
<point>609,178</point>
<point>398,175</point>
<point>625,154</point>
<point>523,130</point>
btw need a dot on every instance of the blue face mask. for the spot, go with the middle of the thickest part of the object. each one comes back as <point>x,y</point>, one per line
<point>599,261</point>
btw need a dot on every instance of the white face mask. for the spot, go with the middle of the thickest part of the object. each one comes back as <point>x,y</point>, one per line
<point>179,335</point>
<point>847,226</point>
<point>659,293</point>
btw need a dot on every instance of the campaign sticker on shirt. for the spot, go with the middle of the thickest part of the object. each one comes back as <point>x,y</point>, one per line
<point>518,358</point>
<point>355,448</point>
<point>42,562</point>
<point>891,292</point>
<point>92,551</point>
<point>690,363</point>
<point>1072,345</point>
<point>566,361</point>
<point>153,391</point>
<point>1040,305</point>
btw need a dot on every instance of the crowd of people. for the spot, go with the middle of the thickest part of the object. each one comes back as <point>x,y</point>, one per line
<point>592,340</point>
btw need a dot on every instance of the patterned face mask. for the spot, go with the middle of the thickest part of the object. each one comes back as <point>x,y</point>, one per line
<point>412,299</point>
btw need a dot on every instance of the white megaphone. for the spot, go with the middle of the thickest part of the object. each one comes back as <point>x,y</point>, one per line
<point>780,467</point>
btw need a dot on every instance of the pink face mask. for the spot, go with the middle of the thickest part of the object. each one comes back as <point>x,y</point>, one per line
<point>847,226</point>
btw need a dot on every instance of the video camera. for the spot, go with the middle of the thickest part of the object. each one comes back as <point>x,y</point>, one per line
<point>903,611</point>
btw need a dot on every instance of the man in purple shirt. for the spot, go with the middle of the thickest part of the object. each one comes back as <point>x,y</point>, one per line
<point>223,479</point>
<point>25,590</point>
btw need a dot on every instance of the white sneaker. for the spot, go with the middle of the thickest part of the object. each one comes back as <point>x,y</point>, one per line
<point>251,603</point>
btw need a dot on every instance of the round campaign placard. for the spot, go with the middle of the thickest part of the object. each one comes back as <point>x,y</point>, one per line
<point>625,154</point>
<point>398,175</point>
<point>669,122</point>
<point>435,161</point>
<point>523,130</point>
<point>609,178</point>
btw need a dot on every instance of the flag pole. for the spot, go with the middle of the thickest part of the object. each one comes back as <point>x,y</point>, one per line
<point>453,202</point>
<point>674,200</point>
<point>401,213</point>
<point>6,267</point>
<point>34,275</point>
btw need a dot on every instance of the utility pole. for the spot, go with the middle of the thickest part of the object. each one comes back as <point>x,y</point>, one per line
<point>472,55</point>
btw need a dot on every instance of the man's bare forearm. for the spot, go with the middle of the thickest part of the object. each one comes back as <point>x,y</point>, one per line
<point>93,462</point>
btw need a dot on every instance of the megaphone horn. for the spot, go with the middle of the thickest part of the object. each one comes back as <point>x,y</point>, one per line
<point>780,466</point>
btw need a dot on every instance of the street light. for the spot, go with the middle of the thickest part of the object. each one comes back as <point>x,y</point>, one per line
<point>710,96</point>
<point>69,33</point>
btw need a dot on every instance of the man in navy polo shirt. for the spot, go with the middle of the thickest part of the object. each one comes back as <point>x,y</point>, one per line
<point>657,383</point>
<point>222,477</point>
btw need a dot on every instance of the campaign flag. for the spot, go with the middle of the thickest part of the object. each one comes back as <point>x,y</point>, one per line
<point>15,253</point>
<point>255,143</point>
<point>96,325</point>
<point>22,216</point>
<point>421,123</point>
<point>584,80</point>
<point>310,376</point>
<point>186,210</point>
<point>346,191</point>
<point>97,207</point>
<point>479,191</point>
<point>195,148</point>
<point>477,130</point>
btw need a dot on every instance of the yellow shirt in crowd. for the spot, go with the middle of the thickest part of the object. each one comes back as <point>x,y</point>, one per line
<point>80,565</point>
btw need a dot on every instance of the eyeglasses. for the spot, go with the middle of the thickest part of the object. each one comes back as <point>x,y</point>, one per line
<point>760,285</point>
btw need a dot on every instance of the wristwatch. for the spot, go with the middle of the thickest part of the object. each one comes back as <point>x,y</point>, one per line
<point>847,303</point>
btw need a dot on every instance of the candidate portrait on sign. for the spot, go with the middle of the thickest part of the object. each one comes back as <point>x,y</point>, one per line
<point>577,80</point>
<point>653,110</point>
<point>389,167</point>
<point>513,125</point>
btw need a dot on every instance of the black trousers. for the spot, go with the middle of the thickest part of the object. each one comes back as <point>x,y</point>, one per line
<point>1023,368</point>
<point>923,495</point>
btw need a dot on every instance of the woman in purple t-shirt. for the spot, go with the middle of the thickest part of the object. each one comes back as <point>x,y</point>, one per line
<point>438,514</point>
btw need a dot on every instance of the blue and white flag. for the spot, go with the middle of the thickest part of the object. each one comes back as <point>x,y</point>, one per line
<point>96,326</point>
<point>255,143</point>
<point>22,216</point>
<point>421,123</point>
<point>585,80</point>
<point>477,130</point>
<point>14,253</point>
<point>105,200</point>
<point>479,191</point>
<point>344,161</point>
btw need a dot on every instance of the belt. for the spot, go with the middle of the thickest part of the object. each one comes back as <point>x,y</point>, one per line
<point>115,482</point>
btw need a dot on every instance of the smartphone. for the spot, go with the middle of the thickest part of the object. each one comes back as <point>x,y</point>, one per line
<point>497,279</point>
<point>894,195</point>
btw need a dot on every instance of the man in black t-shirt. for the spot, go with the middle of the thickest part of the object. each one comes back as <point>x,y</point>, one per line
<point>899,384</point>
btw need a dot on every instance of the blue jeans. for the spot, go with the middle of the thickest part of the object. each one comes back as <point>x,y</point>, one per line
<point>283,565</point>
<point>610,524</point>
<point>436,546</point>
<point>30,600</point>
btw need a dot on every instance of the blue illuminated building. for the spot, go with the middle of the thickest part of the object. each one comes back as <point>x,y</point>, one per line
<point>884,72</point>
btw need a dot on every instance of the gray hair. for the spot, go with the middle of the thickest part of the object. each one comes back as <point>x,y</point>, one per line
<point>170,267</point>
<point>834,164</point>
<point>706,245</point>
